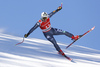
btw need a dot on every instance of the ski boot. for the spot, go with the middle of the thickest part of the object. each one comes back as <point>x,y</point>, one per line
<point>62,53</point>
<point>76,37</point>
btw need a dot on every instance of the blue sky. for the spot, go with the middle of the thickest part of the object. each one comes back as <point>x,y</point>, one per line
<point>77,16</point>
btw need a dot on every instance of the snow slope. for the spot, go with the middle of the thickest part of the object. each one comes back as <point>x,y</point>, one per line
<point>41,53</point>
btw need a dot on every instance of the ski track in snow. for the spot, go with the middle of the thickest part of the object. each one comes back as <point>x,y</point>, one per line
<point>41,53</point>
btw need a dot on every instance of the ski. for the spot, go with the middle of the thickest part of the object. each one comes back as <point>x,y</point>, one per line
<point>81,36</point>
<point>68,58</point>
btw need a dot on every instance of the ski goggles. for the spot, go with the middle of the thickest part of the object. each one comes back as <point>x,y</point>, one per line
<point>44,18</point>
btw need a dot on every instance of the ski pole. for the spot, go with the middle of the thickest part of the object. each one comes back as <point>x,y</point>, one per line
<point>20,42</point>
<point>61,4</point>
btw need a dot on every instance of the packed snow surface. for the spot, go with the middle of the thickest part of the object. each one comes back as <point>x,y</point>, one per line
<point>41,53</point>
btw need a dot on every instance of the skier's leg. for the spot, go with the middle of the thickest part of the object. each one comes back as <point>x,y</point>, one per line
<point>52,40</point>
<point>61,32</point>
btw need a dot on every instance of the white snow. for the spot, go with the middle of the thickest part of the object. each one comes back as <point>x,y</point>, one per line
<point>41,53</point>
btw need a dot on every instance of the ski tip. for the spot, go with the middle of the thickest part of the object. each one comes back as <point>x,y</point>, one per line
<point>73,61</point>
<point>93,27</point>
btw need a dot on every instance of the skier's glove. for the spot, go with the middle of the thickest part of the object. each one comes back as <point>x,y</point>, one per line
<point>25,35</point>
<point>59,8</point>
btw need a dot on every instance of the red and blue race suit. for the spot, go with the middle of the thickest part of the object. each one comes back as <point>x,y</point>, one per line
<point>49,31</point>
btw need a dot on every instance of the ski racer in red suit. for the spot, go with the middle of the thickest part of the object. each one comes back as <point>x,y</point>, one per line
<point>48,31</point>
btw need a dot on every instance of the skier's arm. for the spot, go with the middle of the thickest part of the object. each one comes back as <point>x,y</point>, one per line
<point>32,29</point>
<point>55,11</point>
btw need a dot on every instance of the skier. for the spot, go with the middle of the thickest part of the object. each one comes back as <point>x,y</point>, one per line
<point>48,31</point>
